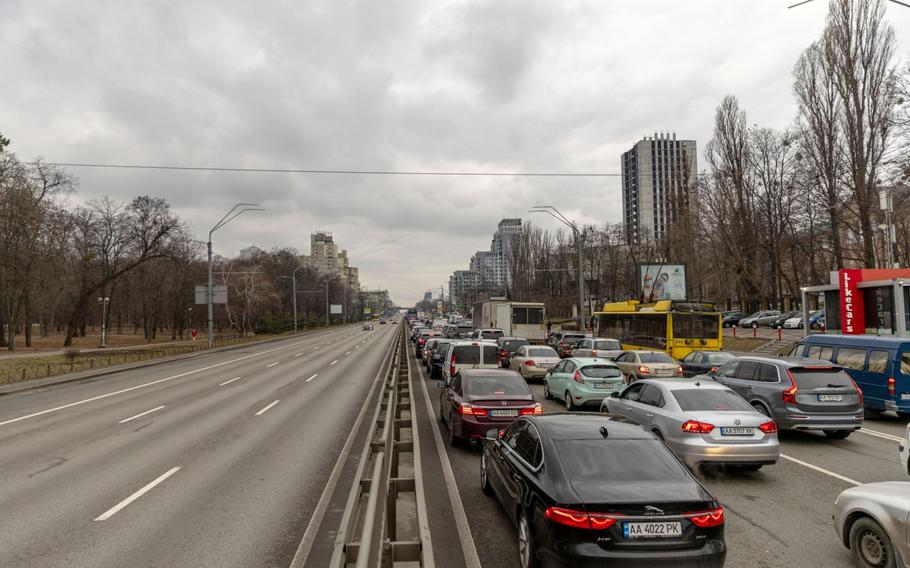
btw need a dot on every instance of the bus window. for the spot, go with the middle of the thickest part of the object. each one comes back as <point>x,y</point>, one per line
<point>878,361</point>
<point>851,358</point>
<point>820,352</point>
<point>687,326</point>
<point>535,316</point>
<point>519,316</point>
<point>905,363</point>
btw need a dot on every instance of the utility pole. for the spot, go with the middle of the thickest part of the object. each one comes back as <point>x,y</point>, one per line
<point>209,290</point>
<point>293,279</point>
<point>556,214</point>
<point>104,302</point>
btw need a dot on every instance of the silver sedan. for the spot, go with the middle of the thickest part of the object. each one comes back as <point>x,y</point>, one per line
<point>701,421</point>
<point>870,520</point>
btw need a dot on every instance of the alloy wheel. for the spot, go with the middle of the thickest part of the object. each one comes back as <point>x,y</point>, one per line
<point>524,542</point>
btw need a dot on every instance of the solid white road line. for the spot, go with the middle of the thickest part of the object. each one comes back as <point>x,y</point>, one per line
<point>298,355</point>
<point>315,348</point>
<point>348,353</point>
<point>143,385</point>
<point>116,508</point>
<point>313,377</point>
<point>821,470</point>
<point>881,435</point>
<point>333,362</point>
<point>461,519</point>
<point>266,409</point>
<point>270,365</point>
<point>140,415</point>
<point>228,381</point>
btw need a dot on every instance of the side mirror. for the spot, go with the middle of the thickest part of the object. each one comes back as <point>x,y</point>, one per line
<point>441,384</point>
<point>492,435</point>
<point>614,394</point>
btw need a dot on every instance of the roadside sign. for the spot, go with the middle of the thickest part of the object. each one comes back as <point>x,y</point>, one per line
<point>368,310</point>
<point>335,308</point>
<point>219,295</point>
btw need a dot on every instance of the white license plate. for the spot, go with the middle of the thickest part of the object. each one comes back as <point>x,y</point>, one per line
<point>603,385</point>
<point>546,365</point>
<point>905,396</point>
<point>504,413</point>
<point>830,398</point>
<point>663,373</point>
<point>652,529</point>
<point>741,431</point>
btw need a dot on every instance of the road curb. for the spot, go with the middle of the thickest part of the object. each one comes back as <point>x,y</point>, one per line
<point>28,385</point>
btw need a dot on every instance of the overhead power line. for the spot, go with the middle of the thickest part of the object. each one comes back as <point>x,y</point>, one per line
<point>332,172</point>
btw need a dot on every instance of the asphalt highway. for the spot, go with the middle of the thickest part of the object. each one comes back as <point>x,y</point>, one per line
<point>778,516</point>
<point>217,460</point>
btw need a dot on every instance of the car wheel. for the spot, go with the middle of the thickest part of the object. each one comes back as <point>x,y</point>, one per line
<point>838,434</point>
<point>484,480</point>
<point>871,545</point>
<point>570,404</point>
<point>526,553</point>
<point>546,390</point>
<point>453,439</point>
<point>760,408</point>
<point>658,434</point>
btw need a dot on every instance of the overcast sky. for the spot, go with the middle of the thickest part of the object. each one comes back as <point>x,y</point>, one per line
<point>498,85</point>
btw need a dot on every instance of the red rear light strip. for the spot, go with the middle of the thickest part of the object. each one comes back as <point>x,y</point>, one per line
<point>603,521</point>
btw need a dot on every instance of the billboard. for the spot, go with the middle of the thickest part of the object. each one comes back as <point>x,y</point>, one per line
<point>335,308</point>
<point>662,282</point>
<point>219,294</point>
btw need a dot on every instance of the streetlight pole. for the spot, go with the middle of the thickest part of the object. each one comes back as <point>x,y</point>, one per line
<point>104,302</point>
<point>556,214</point>
<point>293,278</point>
<point>209,290</point>
<point>316,291</point>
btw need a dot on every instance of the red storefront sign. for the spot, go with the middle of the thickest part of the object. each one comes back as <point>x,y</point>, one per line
<point>852,314</point>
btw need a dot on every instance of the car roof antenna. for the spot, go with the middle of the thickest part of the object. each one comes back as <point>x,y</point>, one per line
<point>604,432</point>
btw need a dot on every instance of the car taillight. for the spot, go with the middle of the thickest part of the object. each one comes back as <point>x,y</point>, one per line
<point>789,393</point>
<point>468,410</point>
<point>858,391</point>
<point>580,519</point>
<point>536,409</point>
<point>452,366</point>
<point>562,344</point>
<point>891,388</point>
<point>644,370</point>
<point>530,363</point>
<point>594,353</point>
<point>712,370</point>
<point>679,371</point>
<point>503,353</point>
<point>708,519</point>
<point>696,427</point>
<point>578,378</point>
<point>769,427</point>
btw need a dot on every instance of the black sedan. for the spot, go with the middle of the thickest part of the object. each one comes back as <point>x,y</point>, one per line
<point>595,490</point>
<point>703,362</point>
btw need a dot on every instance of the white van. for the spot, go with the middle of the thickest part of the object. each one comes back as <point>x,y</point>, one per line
<point>469,355</point>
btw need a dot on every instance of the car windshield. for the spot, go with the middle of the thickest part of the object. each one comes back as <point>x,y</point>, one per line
<point>718,357</point>
<point>512,345</point>
<point>820,378</point>
<point>607,460</point>
<point>491,334</point>
<point>717,400</point>
<point>601,371</point>
<point>542,352</point>
<point>609,344</point>
<point>655,357</point>
<point>503,383</point>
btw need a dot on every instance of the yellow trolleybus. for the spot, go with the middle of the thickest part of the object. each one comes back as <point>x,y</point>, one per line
<point>676,327</point>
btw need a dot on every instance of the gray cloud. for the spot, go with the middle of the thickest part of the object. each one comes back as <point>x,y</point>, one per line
<point>357,84</point>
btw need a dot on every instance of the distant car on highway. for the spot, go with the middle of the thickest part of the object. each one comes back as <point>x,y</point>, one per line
<point>582,381</point>
<point>367,326</point>
<point>436,358</point>
<point>382,321</point>
<point>637,365</point>
<point>701,362</point>
<point>422,338</point>
<point>779,322</point>
<point>477,400</point>
<point>757,319</point>
<point>871,521</point>
<point>565,341</point>
<point>592,490</point>
<point>533,361</point>
<point>428,348</point>
<point>488,334</point>
<point>700,420</point>
<point>508,346</point>
<point>596,347</point>
<point>798,393</point>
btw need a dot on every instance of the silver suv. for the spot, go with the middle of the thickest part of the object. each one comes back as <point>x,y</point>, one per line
<point>797,392</point>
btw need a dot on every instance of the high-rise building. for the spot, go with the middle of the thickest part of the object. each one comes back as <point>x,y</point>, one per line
<point>506,232</point>
<point>658,176</point>
<point>489,270</point>
<point>327,259</point>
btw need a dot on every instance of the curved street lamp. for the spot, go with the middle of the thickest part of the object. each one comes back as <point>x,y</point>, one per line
<point>556,214</point>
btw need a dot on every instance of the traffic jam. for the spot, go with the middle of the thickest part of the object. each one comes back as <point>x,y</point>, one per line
<point>603,452</point>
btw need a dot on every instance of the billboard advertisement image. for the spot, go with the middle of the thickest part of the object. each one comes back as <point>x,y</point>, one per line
<point>662,282</point>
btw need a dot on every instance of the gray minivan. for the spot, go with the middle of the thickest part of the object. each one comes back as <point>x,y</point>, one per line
<point>797,392</point>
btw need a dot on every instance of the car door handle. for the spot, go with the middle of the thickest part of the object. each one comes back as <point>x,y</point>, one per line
<point>650,415</point>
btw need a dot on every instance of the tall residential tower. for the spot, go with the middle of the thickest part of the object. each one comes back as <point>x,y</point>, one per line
<point>658,177</point>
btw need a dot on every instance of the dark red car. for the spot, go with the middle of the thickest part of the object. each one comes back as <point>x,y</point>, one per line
<point>478,400</point>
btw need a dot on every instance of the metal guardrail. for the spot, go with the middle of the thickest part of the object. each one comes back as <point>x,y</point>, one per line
<point>385,520</point>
